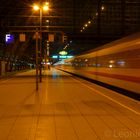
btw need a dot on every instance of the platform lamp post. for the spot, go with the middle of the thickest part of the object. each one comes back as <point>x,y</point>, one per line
<point>36,37</point>
<point>42,7</point>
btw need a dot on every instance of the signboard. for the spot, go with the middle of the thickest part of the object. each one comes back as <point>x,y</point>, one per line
<point>51,37</point>
<point>9,38</point>
<point>63,53</point>
<point>22,37</point>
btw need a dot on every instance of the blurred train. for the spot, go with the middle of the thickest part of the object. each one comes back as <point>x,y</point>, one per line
<point>116,63</point>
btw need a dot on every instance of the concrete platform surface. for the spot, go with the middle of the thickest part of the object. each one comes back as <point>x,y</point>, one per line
<point>64,108</point>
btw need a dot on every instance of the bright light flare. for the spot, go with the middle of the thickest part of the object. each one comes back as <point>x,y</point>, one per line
<point>110,66</point>
<point>36,7</point>
<point>47,3</point>
<point>45,7</point>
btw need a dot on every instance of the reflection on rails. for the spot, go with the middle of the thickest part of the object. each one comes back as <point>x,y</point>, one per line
<point>116,64</point>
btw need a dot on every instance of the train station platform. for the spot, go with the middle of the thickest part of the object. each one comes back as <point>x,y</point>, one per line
<point>64,108</point>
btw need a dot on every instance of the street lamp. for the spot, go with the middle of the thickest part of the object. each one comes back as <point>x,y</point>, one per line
<point>45,7</point>
<point>40,8</point>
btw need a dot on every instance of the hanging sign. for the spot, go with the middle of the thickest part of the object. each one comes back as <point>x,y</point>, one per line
<point>22,37</point>
<point>51,37</point>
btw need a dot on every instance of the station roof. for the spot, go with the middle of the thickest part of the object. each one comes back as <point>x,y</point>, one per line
<point>86,24</point>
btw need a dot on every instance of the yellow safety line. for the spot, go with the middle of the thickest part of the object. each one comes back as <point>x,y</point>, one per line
<point>134,111</point>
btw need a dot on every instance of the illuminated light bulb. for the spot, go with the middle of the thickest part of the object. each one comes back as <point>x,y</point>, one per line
<point>36,7</point>
<point>89,22</point>
<point>45,8</point>
<point>47,3</point>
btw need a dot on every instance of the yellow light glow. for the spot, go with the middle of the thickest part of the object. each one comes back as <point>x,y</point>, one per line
<point>45,7</point>
<point>63,53</point>
<point>111,61</point>
<point>83,27</point>
<point>89,22</point>
<point>47,3</point>
<point>36,7</point>
<point>102,8</point>
<point>110,66</point>
<point>86,25</point>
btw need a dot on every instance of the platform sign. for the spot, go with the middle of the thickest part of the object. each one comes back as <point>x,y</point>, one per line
<point>63,53</point>
<point>51,37</point>
<point>9,38</point>
<point>22,37</point>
